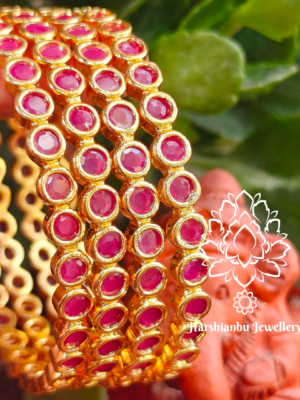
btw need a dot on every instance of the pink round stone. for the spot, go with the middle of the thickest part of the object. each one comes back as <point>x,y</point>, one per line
<point>121,116</point>
<point>191,335</point>
<point>151,279</point>
<point>93,162</point>
<point>38,28</point>
<point>112,284</point>
<point>191,231</point>
<point>196,307</point>
<point>107,367</point>
<point>72,362</point>
<point>103,203</point>
<point>159,108</point>
<point>173,148</point>
<point>112,317</point>
<point>145,75</point>
<point>110,244</point>
<point>93,53</point>
<point>10,44</point>
<point>82,118</point>
<point>141,200</point>
<point>114,26</point>
<point>149,241</point>
<point>143,365</point>
<point>150,317</point>
<point>185,356</point>
<point>181,188</point>
<point>66,227</point>
<point>67,79</point>
<point>73,270</point>
<point>23,71</point>
<point>46,142</point>
<point>131,47</point>
<point>195,270</point>
<point>148,343</point>
<point>3,25</point>
<point>36,103</point>
<point>79,30</point>
<point>76,338</point>
<point>23,14</point>
<point>65,16</point>
<point>58,186</point>
<point>133,159</point>
<point>53,51</point>
<point>109,347</point>
<point>108,80</point>
<point>77,305</point>
<point>3,319</point>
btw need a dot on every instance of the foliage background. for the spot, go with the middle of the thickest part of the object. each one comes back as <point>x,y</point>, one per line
<point>233,68</point>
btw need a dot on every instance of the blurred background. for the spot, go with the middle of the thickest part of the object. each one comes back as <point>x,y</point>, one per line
<point>232,67</point>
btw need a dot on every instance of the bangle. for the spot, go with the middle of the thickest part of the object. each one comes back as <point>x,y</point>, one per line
<point>66,46</point>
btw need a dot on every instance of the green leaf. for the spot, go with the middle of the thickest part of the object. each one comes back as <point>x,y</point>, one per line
<point>156,17</point>
<point>203,71</point>
<point>276,19</point>
<point>234,125</point>
<point>206,14</point>
<point>259,48</point>
<point>274,147</point>
<point>260,78</point>
<point>284,100</point>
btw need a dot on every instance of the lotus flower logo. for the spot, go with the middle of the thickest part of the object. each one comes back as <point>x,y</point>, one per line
<point>242,238</point>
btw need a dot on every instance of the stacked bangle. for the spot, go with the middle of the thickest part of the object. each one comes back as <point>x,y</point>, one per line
<point>97,339</point>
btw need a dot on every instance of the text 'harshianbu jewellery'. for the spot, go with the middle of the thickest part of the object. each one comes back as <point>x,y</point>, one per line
<point>59,62</point>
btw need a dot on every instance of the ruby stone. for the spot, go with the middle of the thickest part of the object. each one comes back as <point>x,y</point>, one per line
<point>112,317</point>
<point>23,14</point>
<point>36,103</point>
<point>72,362</point>
<point>121,116</point>
<point>149,241</point>
<point>196,307</point>
<point>46,142</point>
<point>159,108</point>
<point>191,231</point>
<point>62,17</point>
<point>150,317</point>
<point>148,343</point>
<point>23,71</point>
<point>109,347</point>
<point>66,227</point>
<point>38,28</point>
<point>195,270</point>
<point>185,356</point>
<point>133,159</point>
<point>110,244</point>
<point>3,25</point>
<point>131,47</point>
<point>107,367</point>
<point>82,118</point>
<point>67,79</point>
<point>181,188</point>
<point>173,148</point>
<point>79,30</point>
<point>108,80</point>
<point>93,53</point>
<point>112,284</point>
<point>77,305</point>
<point>141,200</point>
<point>93,162</point>
<point>10,44</point>
<point>145,75</point>
<point>151,279</point>
<point>114,26</point>
<point>58,186</point>
<point>76,338</point>
<point>73,270</point>
<point>53,51</point>
<point>143,365</point>
<point>103,203</point>
<point>191,335</point>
